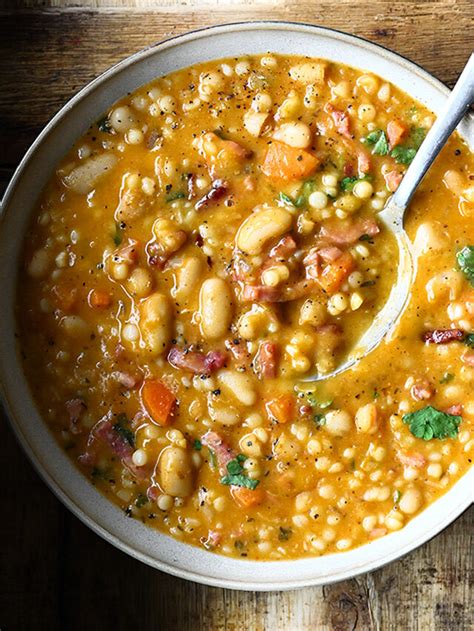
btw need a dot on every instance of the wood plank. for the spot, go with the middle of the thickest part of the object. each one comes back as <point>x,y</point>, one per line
<point>56,573</point>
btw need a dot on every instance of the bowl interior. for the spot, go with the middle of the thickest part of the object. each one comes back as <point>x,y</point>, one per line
<point>66,481</point>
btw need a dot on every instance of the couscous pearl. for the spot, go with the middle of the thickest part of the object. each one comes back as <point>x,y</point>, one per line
<point>165,502</point>
<point>363,190</point>
<point>318,200</point>
<point>139,457</point>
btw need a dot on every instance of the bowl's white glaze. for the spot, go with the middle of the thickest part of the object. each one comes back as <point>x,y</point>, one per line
<point>57,470</point>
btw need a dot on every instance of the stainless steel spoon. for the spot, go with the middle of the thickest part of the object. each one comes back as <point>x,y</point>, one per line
<point>393,214</point>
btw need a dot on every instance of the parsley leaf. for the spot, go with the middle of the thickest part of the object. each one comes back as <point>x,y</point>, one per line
<point>307,189</point>
<point>403,155</point>
<point>314,403</point>
<point>429,423</point>
<point>236,475</point>
<point>465,258</point>
<point>469,340</point>
<point>319,419</point>
<point>197,445</point>
<point>104,125</point>
<point>286,199</point>
<point>122,427</point>
<point>417,135</point>
<point>174,196</point>
<point>284,534</point>
<point>379,140</point>
<point>141,500</point>
<point>118,235</point>
<point>348,183</point>
<point>447,377</point>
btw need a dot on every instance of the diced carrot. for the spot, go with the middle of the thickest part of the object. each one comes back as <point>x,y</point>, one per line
<point>396,132</point>
<point>334,274</point>
<point>247,498</point>
<point>158,401</point>
<point>65,297</point>
<point>283,162</point>
<point>282,408</point>
<point>98,299</point>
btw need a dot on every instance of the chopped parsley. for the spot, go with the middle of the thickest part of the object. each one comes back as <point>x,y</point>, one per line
<point>403,155</point>
<point>307,189</point>
<point>465,258</point>
<point>212,459</point>
<point>348,183</point>
<point>118,235</point>
<point>378,139</point>
<point>447,377</point>
<point>286,199</point>
<point>368,283</point>
<point>319,419</point>
<point>122,427</point>
<point>141,500</point>
<point>197,445</point>
<point>429,423</point>
<point>314,403</point>
<point>469,340</point>
<point>104,125</point>
<point>396,497</point>
<point>174,196</point>
<point>284,533</point>
<point>236,474</point>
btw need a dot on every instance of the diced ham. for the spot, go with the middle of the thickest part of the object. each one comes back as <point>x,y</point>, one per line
<point>191,186</point>
<point>336,233</point>
<point>218,190</point>
<point>213,539</point>
<point>260,293</point>
<point>104,431</point>
<point>196,362</point>
<point>341,120</point>
<point>422,391</point>
<point>455,410</point>
<point>442,336</point>
<point>224,454</point>
<point>415,459</point>
<point>126,380</point>
<point>284,248</point>
<point>127,253</point>
<point>75,408</point>
<point>330,254</point>
<point>396,132</point>
<point>238,348</point>
<point>392,180</point>
<point>468,358</point>
<point>363,161</point>
<point>348,169</point>
<point>266,359</point>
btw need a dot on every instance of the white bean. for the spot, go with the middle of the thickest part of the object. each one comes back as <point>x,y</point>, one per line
<point>239,385</point>
<point>215,307</point>
<point>338,422</point>
<point>83,178</point>
<point>155,322</point>
<point>308,72</point>
<point>294,134</point>
<point>176,472</point>
<point>263,224</point>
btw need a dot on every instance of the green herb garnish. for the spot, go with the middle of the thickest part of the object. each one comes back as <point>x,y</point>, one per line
<point>104,125</point>
<point>283,197</point>
<point>446,378</point>
<point>122,427</point>
<point>212,459</point>
<point>236,474</point>
<point>319,419</point>
<point>314,403</point>
<point>174,196</point>
<point>403,155</point>
<point>366,237</point>
<point>284,534</point>
<point>141,500</point>
<point>396,497</point>
<point>368,283</point>
<point>416,137</point>
<point>429,423</point>
<point>197,445</point>
<point>465,259</point>
<point>379,141</point>
<point>118,235</point>
<point>348,183</point>
<point>469,340</point>
<point>307,189</point>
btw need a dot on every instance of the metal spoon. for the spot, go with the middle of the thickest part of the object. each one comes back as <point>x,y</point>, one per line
<point>393,214</point>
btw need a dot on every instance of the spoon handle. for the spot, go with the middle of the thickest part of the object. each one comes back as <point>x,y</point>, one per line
<point>456,106</point>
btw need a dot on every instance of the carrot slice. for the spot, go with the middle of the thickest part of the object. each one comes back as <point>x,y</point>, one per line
<point>282,408</point>
<point>99,299</point>
<point>334,275</point>
<point>283,162</point>
<point>396,132</point>
<point>247,498</point>
<point>159,401</point>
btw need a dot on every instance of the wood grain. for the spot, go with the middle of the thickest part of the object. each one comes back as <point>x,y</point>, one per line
<point>57,574</point>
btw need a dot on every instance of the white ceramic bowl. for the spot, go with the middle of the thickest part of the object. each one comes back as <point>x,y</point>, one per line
<point>57,470</point>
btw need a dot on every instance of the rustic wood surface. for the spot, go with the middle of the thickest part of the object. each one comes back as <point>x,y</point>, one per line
<point>57,574</point>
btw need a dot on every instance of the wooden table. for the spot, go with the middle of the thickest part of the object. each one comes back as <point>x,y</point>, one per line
<point>57,574</point>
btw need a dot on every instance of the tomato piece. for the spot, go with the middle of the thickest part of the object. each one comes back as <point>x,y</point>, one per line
<point>158,401</point>
<point>283,162</point>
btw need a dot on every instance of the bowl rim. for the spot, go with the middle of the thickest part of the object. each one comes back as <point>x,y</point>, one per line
<point>464,499</point>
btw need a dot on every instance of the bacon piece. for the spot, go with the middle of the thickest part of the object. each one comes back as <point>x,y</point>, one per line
<point>265,362</point>
<point>104,431</point>
<point>363,161</point>
<point>422,391</point>
<point>284,248</point>
<point>191,186</point>
<point>341,120</point>
<point>348,169</point>
<point>330,254</point>
<point>468,358</point>
<point>75,408</point>
<point>455,410</point>
<point>349,233</point>
<point>415,459</point>
<point>217,191</point>
<point>442,336</point>
<point>126,380</point>
<point>127,253</point>
<point>224,453</point>
<point>213,539</point>
<point>196,362</point>
<point>392,180</point>
<point>259,293</point>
